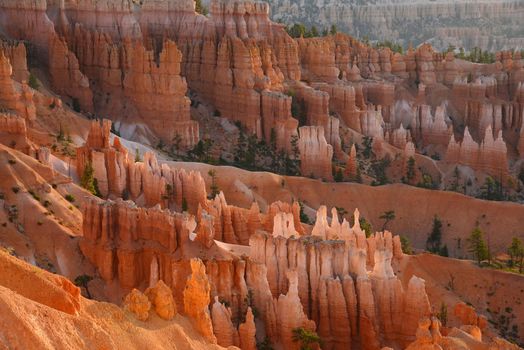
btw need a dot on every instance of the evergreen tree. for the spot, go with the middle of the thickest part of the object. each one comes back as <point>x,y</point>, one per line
<point>97,191</point>
<point>444,251</point>
<point>492,190</point>
<point>314,32</point>
<point>33,82</point>
<point>338,176</point>
<point>434,241</point>
<point>443,314</point>
<point>200,8</point>
<point>367,142</point>
<point>406,245</point>
<point>306,338</point>
<point>387,217</point>
<point>296,30</point>
<point>240,150</point>
<point>456,178</point>
<point>214,187</point>
<point>410,172</point>
<point>333,29</point>
<point>477,246</point>
<point>303,217</point>
<point>358,178</point>
<point>295,160</point>
<point>137,156</point>
<point>516,253</point>
<point>88,180</point>
<point>521,175</point>
<point>82,281</point>
<point>364,225</point>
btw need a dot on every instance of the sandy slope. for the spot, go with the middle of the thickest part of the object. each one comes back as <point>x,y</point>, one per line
<point>35,218</point>
<point>45,311</point>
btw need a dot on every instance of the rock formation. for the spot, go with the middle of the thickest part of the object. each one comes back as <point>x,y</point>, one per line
<point>337,284</point>
<point>146,182</point>
<point>137,303</point>
<point>13,132</point>
<point>490,156</point>
<point>247,332</point>
<point>429,336</point>
<point>66,76</point>
<point>343,101</point>
<point>315,153</point>
<point>196,300</point>
<point>372,123</point>
<point>16,53</point>
<point>467,316</point>
<point>428,129</point>
<point>161,299</point>
<point>223,328</point>
<point>351,170</point>
<point>15,97</point>
<point>277,119</point>
<point>290,314</point>
<point>115,231</point>
<point>317,62</point>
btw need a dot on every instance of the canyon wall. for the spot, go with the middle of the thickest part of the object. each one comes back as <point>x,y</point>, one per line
<point>459,23</point>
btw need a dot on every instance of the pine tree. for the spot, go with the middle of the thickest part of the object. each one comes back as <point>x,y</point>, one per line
<point>338,176</point>
<point>33,82</point>
<point>88,180</point>
<point>443,314</point>
<point>406,245</point>
<point>444,251</point>
<point>433,243</point>
<point>410,172</point>
<point>83,281</point>
<point>306,338</point>
<point>200,8</point>
<point>516,253</point>
<point>477,246</point>
<point>358,178</point>
<point>387,217</point>
<point>214,187</point>
<point>303,217</point>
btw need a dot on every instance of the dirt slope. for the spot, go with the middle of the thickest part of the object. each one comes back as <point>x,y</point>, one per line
<point>30,319</point>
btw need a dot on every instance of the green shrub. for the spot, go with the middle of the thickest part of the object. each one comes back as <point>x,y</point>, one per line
<point>33,82</point>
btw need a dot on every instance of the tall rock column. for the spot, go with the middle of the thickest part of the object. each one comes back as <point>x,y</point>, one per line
<point>247,332</point>
<point>197,298</point>
<point>315,153</point>
<point>223,328</point>
<point>13,96</point>
<point>158,92</point>
<point>291,315</point>
<point>66,77</point>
